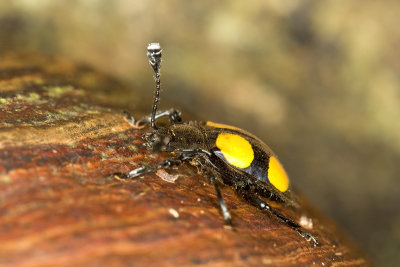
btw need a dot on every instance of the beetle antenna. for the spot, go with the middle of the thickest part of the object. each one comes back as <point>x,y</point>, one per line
<point>154,54</point>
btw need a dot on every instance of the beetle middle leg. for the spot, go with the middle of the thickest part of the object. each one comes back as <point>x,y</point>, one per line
<point>206,164</point>
<point>222,205</point>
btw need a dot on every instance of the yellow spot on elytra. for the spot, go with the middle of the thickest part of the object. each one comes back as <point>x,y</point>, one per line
<point>220,125</point>
<point>277,175</point>
<point>236,150</point>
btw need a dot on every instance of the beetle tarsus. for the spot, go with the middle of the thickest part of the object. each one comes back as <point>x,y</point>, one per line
<point>308,237</point>
<point>131,120</point>
<point>137,172</point>
<point>120,176</point>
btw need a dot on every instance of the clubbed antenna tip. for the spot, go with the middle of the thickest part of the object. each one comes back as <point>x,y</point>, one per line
<point>154,54</point>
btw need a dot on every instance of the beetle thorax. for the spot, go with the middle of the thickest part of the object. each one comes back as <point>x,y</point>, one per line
<point>185,136</point>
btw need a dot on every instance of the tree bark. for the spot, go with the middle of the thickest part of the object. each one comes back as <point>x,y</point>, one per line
<point>60,205</point>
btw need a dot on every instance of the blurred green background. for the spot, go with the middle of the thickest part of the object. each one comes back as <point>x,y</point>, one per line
<point>317,80</point>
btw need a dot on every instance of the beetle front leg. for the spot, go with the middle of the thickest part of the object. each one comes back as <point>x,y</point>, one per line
<point>168,163</point>
<point>173,114</point>
<point>184,155</point>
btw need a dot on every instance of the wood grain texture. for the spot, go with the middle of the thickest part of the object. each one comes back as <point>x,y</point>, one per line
<point>60,206</point>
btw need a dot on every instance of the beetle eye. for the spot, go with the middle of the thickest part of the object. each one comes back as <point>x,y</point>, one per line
<point>157,142</point>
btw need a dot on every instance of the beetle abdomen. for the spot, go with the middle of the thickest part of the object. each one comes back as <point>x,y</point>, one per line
<point>246,152</point>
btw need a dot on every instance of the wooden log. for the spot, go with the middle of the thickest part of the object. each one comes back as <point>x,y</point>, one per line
<point>60,205</point>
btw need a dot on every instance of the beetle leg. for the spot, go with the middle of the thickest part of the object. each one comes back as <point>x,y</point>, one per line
<point>222,205</point>
<point>213,181</point>
<point>173,114</point>
<point>211,174</point>
<point>129,118</point>
<point>168,163</point>
<point>262,205</point>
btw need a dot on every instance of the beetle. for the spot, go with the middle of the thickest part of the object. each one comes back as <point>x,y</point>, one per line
<point>227,154</point>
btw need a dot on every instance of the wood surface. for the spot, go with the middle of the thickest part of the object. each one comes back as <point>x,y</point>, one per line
<point>60,205</point>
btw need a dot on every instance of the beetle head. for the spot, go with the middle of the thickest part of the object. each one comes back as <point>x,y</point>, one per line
<point>158,140</point>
